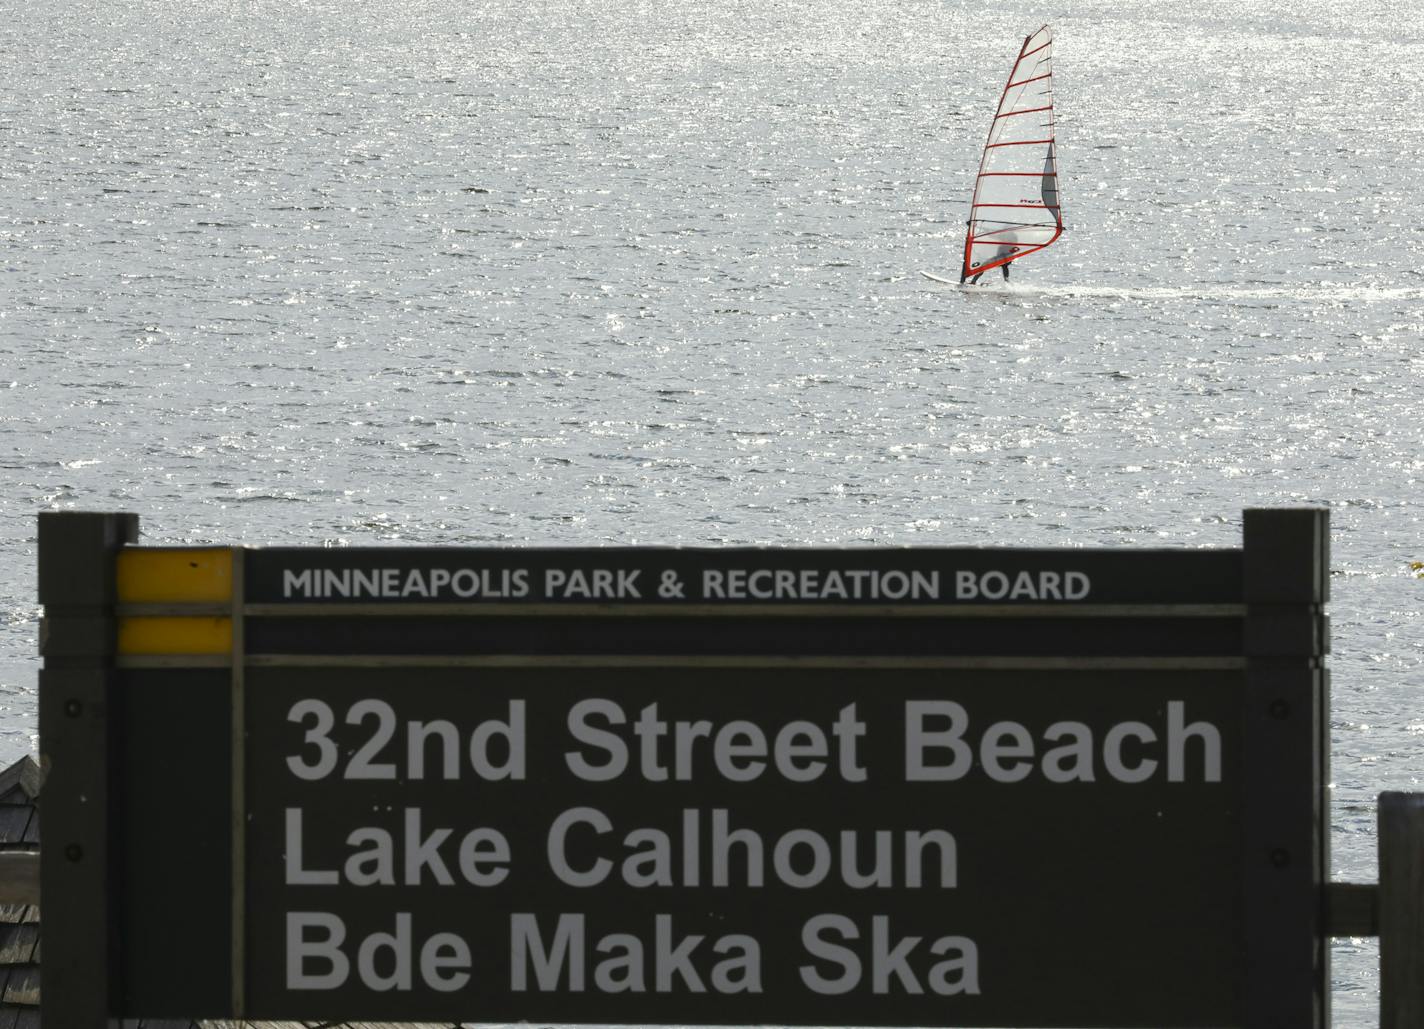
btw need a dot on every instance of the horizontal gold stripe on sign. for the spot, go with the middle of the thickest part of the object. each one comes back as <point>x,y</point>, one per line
<point>175,636</point>
<point>155,575</point>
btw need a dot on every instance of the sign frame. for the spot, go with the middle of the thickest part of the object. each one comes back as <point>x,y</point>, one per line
<point>148,653</point>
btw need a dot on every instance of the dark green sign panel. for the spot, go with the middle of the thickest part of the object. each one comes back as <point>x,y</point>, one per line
<point>939,787</point>
<point>752,844</point>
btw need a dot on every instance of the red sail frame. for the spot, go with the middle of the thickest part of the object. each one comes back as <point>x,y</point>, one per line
<point>1017,142</point>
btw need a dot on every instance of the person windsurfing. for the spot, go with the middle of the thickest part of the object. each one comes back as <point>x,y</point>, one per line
<point>1003,268</point>
<point>1004,251</point>
<point>1015,209</point>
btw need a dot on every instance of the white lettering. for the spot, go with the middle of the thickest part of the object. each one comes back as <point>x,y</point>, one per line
<point>1112,752</point>
<point>670,964</point>
<point>384,960</point>
<point>1177,736</point>
<point>1022,585</point>
<point>918,740</point>
<point>301,950</point>
<point>558,848</point>
<point>296,874</point>
<point>939,747</point>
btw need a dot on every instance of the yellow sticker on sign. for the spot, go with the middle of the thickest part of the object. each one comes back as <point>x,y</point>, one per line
<point>163,575</point>
<point>175,636</point>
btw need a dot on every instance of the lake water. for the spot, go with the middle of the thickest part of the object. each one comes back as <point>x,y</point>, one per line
<point>620,272</point>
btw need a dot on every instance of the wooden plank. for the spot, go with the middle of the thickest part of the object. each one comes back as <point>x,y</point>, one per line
<point>17,943</point>
<point>24,986</point>
<point>1352,909</point>
<point>1285,806</point>
<point>79,751</point>
<point>16,913</point>
<point>19,877</point>
<point>14,819</point>
<point>1401,921</point>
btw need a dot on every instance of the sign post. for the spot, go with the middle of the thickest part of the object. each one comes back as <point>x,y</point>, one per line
<point>804,787</point>
<point>79,817</point>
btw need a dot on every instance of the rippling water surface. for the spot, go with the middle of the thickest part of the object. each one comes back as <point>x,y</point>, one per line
<point>621,272</point>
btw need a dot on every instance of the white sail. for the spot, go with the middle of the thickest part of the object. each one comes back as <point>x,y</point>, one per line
<point>1016,209</point>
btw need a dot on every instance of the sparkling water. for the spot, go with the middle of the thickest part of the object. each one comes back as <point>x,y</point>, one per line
<point>634,272</point>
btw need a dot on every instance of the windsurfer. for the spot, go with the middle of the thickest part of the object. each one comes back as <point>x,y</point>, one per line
<point>1003,252</point>
<point>1015,211</point>
<point>1003,268</point>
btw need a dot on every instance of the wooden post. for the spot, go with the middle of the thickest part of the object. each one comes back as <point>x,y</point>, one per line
<point>1286,583</point>
<point>79,982</point>
<point>1401,914</point>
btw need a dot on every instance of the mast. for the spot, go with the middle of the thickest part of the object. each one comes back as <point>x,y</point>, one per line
<point>1015,210</point>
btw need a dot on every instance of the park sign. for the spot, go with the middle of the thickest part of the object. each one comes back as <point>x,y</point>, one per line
<point>877,787</point>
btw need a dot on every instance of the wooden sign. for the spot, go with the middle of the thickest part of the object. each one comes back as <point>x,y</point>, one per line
<point>920,787</point>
